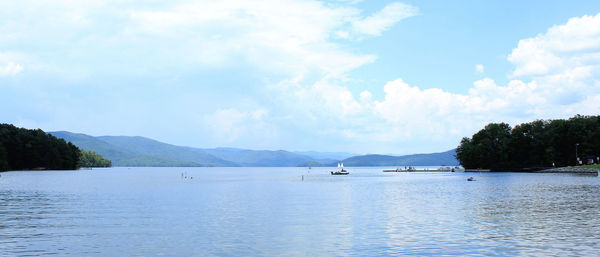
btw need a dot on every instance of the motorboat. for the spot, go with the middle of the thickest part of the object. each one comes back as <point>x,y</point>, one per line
<point>342,171</point>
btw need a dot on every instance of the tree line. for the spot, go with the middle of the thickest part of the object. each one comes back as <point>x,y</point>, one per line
<point>541,143</point>
<point>26,149</point>
<point>92,159</point>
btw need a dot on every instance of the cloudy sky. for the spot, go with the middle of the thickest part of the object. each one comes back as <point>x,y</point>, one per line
<point>340,75</point>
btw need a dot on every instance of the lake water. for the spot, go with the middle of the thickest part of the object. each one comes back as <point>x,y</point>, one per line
<point>273,212</point>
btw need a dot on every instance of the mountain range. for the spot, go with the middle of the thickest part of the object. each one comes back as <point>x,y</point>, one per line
<point>431,159</point>
<point>141,151</point>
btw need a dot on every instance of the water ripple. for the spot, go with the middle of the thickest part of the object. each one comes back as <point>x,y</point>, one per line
<point>271,212</point>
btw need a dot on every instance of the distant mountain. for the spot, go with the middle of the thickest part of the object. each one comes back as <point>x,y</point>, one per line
<point>432,159</point>
<point>149,147</point>
<point>258,158</point>
<point>141,151</point>
<point>332,156</point>
<point>94,144</point>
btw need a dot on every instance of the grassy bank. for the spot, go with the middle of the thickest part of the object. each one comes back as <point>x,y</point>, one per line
<point>597,167</point>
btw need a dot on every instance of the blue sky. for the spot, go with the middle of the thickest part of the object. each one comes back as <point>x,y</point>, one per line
<point>356,76</point>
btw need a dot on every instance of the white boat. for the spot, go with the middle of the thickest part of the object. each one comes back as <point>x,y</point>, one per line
<point>342,171</point>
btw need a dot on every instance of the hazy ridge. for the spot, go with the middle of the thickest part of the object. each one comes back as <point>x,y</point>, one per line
<point>141,151</point>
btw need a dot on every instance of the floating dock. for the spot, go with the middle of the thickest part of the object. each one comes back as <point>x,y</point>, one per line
<point>418,170</point>
<point>477,170</point>
<point>575,170</point>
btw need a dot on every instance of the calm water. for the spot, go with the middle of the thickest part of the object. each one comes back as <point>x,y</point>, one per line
<point>272,212</point>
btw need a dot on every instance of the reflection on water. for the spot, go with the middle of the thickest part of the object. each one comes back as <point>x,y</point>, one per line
<point>271,211</point>
<point>32,218</point>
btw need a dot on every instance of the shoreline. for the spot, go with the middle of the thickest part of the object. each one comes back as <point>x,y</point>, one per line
<point>570,169</point>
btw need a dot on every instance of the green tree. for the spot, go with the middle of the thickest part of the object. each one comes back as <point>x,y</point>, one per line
<point>92,159</point>
<point>31,149</point>
<point>465,152</point>
<point>3,158</point>
<point>535,144</point>
<point>491,145</point>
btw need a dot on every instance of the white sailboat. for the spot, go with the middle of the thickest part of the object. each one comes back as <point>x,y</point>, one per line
<point>342,171</point>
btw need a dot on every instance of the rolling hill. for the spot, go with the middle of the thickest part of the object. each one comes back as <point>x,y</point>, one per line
<point>333,156</point>
<point>260,158</point>
<point>432,159</point>
<point>149,147</point>
<point>141,151</point>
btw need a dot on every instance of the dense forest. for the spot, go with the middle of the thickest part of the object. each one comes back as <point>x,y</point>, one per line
<point>540,143</point>
<point>25,149</point>
<point>92,159</point>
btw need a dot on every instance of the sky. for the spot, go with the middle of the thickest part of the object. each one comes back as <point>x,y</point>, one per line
<point>356,76</point>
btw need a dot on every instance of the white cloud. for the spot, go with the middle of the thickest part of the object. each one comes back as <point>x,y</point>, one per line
<point>365,96</point>
<point>410,115</point>
<point>290,36</point>
<point>297,47</point>
<point>564,64</point>
<point>381,21</point>
<point>231,124</point>
<point>324,94</point>
<point>479,68</point>
<point>10,69</point>
<point>342,34</point>
<point>562,48</point>
<point>278,36</point>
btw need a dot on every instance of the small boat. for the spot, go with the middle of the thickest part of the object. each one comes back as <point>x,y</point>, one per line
<point>342,171</point>
<point>471,179</point>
